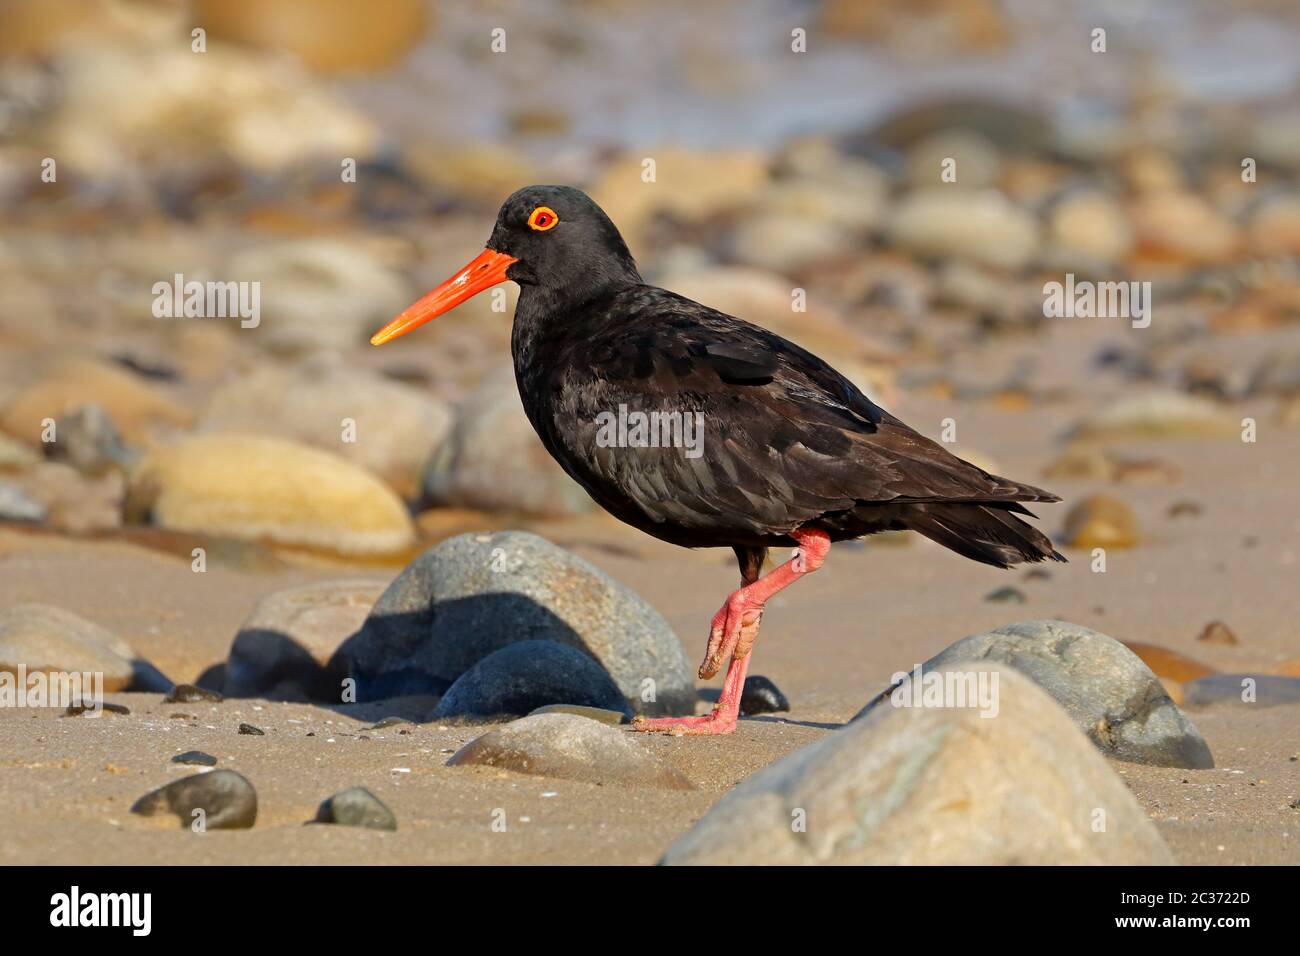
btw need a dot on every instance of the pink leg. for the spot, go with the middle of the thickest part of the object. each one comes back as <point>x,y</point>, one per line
<point>735,627</point>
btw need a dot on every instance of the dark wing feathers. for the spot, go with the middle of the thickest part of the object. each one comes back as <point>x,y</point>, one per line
<point>786,438</point>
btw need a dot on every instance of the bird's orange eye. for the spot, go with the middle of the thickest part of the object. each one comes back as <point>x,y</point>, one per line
<point>543,218</point>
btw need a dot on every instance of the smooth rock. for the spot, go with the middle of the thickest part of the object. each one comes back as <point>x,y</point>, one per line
<point>494,461</point>
<point>251,486</point>
<point>1183,227</point>
<point>1090,228</point>
<point>979,225</point>
<point>519,678</point>
<point>227,799</point>
<point>570,748</point>
<point>284,648</point>
<point>476,593</point>
<point>1111,695</point>
<point>1101,521</point>
<point>248,730</point>
<point>761,696</point>
<point>1158,415</point>
<point>195,758</point>
<point>612,717</point>
<point>356,807</point>
<point>393,427</point>
<point>134,406</point>
<point>1216,632</point>
<point>934,786</point>
<point>49,639</point>
<point>1006,595</point>
<point>1243,690</point>
<point>329,293</point>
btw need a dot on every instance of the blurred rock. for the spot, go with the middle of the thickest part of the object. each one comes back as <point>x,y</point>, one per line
<point>1243,690</point>
<point>331,36</point>
<point>356,807</point>
<point>568,747</point>
<point>217,800</point>
<point>74,503</point>
<point>1101,521</point>
<point>612,717</point>
<point>786,243</point>
<point>690,186</point>
<point>477,593</point>
<point>49,639</point>
<point>15,455</point>
<point>246,486</point>
<point>1090,228</point>
<point>114,119</point>
<point>70,383</point>
<point>87,440</point>
<point>935,28</point>
<point>395,427</point>
<point>934,786</point>
<point>981,225</point>
<point>483,173</point>
<point>319,293</point>
<point>1157,415</point>
<point>493,460</point>
<point>519,678</point>
<point>1275,227</point>
<point>1216,632</point>
<point>285,646</point>
<point>977,162</point>
<point>1183,228</point>
<point>16,506</point>
<point>1167,663</point>
<point>1109,693</point>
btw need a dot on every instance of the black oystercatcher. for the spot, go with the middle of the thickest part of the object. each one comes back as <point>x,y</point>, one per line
<point>707,431</point>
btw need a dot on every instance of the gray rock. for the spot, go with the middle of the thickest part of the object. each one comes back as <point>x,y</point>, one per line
<point>15,505</point>
<point>934,786</point>
<point>284,648</point>
<point>571,748</point>
<point>45,638</point>
<point>477,593</point>
<point>494,461</point>
<point>1110,694</point>
<point>227,799</point>
<point>611,717</point>
<point>519,678</point>
<point>88,441</point>
<point>761,696</point>
<point>195,758</point>
<point>357,807</point>
<point>1242,690</point>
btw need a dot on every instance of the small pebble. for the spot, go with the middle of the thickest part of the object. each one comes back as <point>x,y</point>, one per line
<point>249,729</point>
<point>195,758</point>
<point>80,707</point>
<point>1006,595</point>
<point>1216,632</point>
<point>761,696</point>
<point>227,799</point>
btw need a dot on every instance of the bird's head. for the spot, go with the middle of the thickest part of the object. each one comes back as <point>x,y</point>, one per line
<point>554,239</point>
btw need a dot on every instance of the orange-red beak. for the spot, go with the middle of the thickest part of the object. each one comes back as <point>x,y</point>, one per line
<point>487,269</point>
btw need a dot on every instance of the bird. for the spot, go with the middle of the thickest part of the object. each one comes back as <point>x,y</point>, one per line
<point>707,431</point>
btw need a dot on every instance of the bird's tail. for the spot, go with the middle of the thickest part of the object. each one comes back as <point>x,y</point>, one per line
<point>984,531</point>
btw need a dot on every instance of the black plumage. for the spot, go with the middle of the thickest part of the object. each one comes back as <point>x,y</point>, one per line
<point>788,442</point>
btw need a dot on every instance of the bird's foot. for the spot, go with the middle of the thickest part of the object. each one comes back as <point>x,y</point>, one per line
<point>714,723</point>
<point>732,634</point>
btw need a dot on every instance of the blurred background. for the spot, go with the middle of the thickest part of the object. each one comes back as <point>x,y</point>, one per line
<point>348,156</point>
